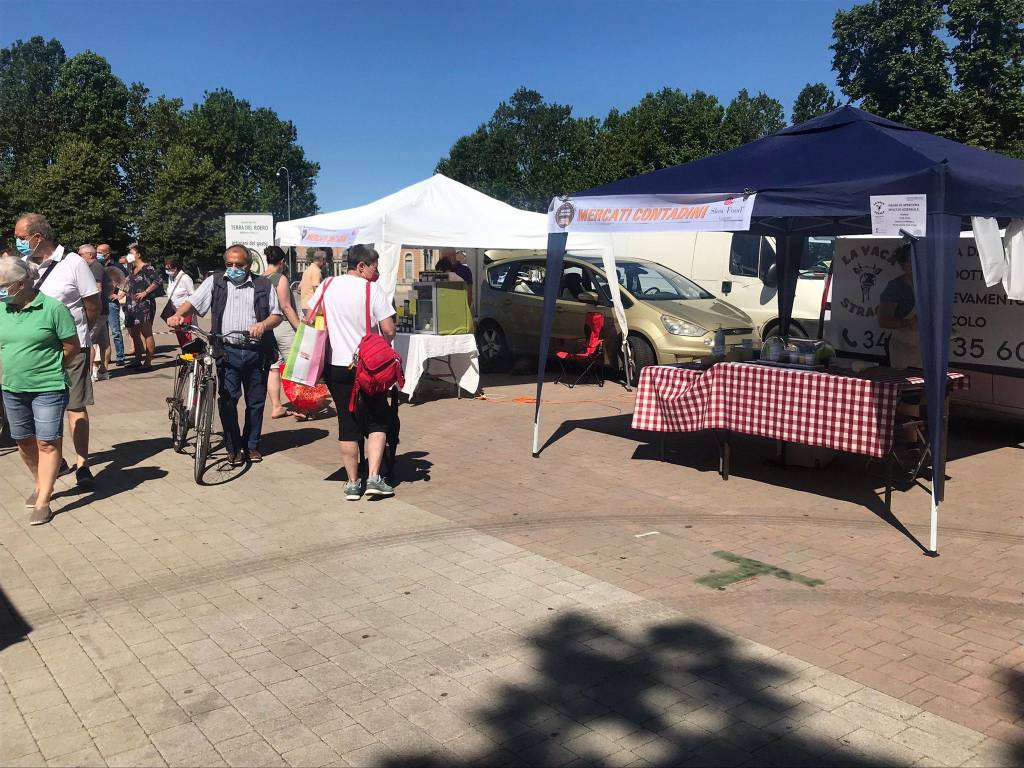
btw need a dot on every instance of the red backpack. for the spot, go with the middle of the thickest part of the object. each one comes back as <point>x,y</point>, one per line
<point>378,366</point>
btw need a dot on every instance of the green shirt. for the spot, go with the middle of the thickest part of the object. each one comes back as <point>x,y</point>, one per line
<point>30,345</point>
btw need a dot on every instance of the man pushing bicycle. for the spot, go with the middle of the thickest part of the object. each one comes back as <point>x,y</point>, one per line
<point>241,303</point>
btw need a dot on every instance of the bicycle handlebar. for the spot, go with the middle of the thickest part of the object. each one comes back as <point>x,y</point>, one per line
<point>208,335</point>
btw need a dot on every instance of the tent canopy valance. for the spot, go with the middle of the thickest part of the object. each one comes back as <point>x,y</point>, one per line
<point>828,167</point>
<point>817,178</point>
<point>436,212</point>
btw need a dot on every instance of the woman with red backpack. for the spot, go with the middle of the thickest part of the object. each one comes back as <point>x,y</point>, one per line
<point>361,365</point>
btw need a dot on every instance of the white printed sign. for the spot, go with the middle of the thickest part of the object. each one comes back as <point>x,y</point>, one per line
<point>892,213</point>
<point>253,230</point>
<point>988,328</point>
<point>652,213</point>
<point>314,237</point>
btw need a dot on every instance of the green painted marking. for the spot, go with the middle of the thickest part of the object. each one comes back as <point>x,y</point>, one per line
<point>747,569</point>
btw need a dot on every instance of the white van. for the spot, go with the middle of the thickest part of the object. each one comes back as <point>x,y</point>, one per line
<point>740,267</point>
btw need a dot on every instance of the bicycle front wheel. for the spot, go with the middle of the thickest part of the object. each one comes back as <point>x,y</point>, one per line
<point>204,425</point>
<point>176,407</point>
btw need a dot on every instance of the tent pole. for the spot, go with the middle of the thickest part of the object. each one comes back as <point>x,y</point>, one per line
<point>552,281</point>
<point>933,542</point>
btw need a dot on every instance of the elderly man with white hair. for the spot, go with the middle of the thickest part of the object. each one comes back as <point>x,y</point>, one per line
<point>64,275</point>
<point>100,353</point>
<point>38,341</point>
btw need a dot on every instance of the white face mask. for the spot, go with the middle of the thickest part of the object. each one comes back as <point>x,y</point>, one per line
<point>130,258</point>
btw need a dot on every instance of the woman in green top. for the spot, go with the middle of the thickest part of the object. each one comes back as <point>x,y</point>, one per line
<point>37,340</point>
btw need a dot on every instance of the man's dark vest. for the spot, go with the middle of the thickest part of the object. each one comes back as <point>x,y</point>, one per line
<point>261,300</point>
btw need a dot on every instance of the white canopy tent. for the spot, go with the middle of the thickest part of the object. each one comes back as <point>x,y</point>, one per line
<point>434,213</point>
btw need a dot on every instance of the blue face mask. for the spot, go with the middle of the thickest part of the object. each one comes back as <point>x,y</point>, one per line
<point>6,297</point>
<point>23,247</point>
<point>235,274</point>
<point>100,258</point>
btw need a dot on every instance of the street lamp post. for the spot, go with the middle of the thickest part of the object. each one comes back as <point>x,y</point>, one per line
<point>288,187</point>
<point>288,197</point>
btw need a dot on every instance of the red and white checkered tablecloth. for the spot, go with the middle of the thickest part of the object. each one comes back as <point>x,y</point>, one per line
<point>853,413</point>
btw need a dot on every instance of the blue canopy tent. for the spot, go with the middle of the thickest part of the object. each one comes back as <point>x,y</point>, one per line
<point>816,178</point>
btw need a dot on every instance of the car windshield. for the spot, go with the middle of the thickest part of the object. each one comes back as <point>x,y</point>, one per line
<point>817,259</point>
<point>653,282</point>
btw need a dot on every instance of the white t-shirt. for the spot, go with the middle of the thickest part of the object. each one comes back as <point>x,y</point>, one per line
<point>69,282</point>
<point>345,309</point>
<point>181,288</point>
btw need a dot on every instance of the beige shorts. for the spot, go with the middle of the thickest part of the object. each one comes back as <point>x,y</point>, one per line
<point>80,382</point>
<point>100,332</point>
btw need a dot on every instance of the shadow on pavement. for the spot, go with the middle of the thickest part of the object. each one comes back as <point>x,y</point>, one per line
<point>846,479</point>
<point>219,470</point>
<point>677,694</point>
<point>1014,679</point>
<point>282,440</point>
<point>120,473</point>
<point>411,467</point>
<point>13,627</point>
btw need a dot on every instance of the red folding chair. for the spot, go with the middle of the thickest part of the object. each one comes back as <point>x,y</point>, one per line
<point>589,352</point>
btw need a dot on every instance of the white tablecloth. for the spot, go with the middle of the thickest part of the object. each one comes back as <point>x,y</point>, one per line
<point>420,353</point>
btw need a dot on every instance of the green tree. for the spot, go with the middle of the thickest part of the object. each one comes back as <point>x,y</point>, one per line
<point>666,128</point>
<point>888,55</point>
<point>250,145</point>
<point>92,103</point>
<point>987,108</point>
<point>184,214</point>
<point>813,101</point>
<point>528,152</point>
<point>79,194</point>
<point>749,118</point>
<point>188,168</point>
<point>153,127</point>
<point>29,123</point>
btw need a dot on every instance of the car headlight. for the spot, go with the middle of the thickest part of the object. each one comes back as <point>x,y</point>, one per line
<point>678,327</point>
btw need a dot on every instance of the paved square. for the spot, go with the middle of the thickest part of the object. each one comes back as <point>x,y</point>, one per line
<point>507,610</point>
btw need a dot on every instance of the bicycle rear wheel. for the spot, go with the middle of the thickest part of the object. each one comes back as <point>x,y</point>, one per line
<point>204,425</point>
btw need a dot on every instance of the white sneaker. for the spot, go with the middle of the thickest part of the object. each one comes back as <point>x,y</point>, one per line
<point>95,375</point>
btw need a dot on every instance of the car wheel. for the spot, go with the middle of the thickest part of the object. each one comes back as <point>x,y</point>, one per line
<point>495,354</point>
<point>643,356</point>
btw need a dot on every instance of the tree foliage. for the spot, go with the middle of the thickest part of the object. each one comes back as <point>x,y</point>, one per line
<point>531,150</point>
<point>888,56</point>
<point>526,153</point>
<point>104,161</point>
<point>952,67</point>
<point>748,118</point>
<point>987,108</point>
<point>814,100</point>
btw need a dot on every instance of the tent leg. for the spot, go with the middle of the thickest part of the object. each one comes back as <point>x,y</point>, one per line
<point>536,436</point>
<point>933,543</point>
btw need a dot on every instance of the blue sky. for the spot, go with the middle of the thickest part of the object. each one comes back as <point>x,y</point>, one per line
<point>379,91</point>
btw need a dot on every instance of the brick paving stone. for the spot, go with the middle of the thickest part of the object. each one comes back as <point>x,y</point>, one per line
<point>119,736</point>
<point>260,706</point>
<point>310,756</point>
<point>221,724</point>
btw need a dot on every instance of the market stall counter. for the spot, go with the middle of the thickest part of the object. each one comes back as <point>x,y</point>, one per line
<point>453,357</point>
<point>836,409</point>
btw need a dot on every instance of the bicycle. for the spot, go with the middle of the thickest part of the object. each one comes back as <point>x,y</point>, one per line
<point>194,396</point>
